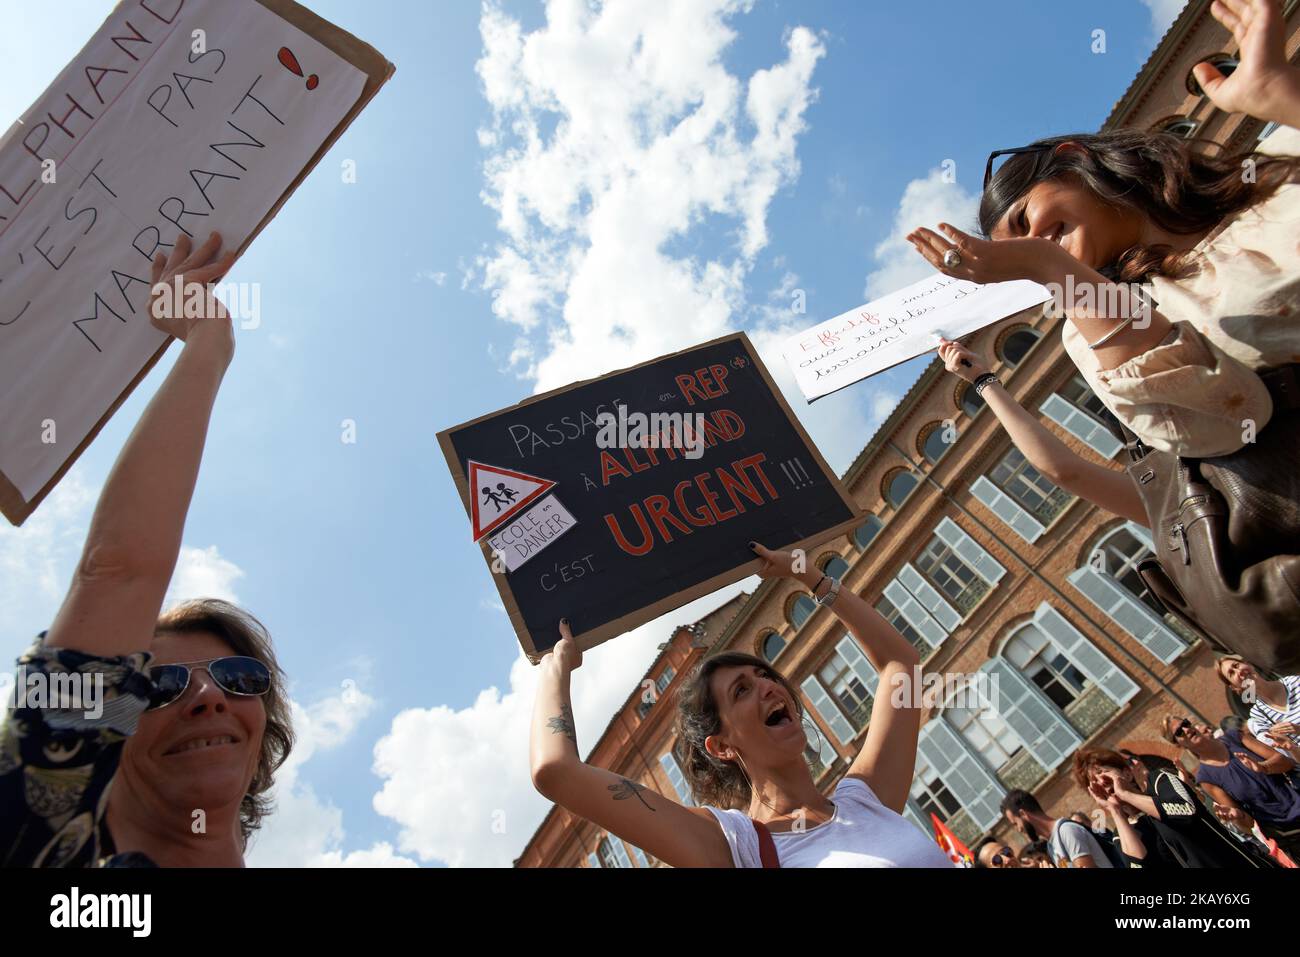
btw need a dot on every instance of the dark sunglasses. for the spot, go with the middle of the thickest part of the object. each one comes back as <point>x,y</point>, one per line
<point>1183,728</point>
<point>988,169</point>
<point>237,675</point>
<point>1001,856</point>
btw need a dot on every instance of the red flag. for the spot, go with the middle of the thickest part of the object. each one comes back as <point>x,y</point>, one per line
<point>957,852</point>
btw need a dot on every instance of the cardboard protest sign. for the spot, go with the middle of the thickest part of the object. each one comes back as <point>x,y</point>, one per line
<point>663,473</point>
<point>900,326</point>
<point>177,115</point>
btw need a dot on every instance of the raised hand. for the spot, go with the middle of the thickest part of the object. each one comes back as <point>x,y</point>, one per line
<point>1264,84</point>
<point>196,269</point>
<point>987,260</point>
<point>567,653</point>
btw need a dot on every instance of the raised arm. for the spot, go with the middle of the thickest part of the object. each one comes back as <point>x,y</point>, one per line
<point>677,835</point>
<point>1265,84</point>
<point>1104,487</point>
<point>135,535</point>
<point>888,755</point>
<point>1266,759</point>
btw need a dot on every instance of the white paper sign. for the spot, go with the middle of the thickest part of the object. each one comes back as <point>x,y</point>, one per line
<point>897,327</point>
<point>527,535</point>
<point>176,115</point>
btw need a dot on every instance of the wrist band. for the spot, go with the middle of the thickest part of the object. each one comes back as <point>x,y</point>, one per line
<point>1111,335</point>
<point>831,593</point>
<point>982,382</point>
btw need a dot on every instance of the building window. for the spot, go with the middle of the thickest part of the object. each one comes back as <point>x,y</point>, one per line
<point>1017,344</point>
<point>889,611</point>
<point>934,798</point>
<point>835,567</point>
<point>936,442</point>
<point>1043,663</point>
<point>952,576</point>
<point>772,646</point>
<point>986,732</point>
<point>612,853</point>
<point>1121,551</point>
<point>971,401</point>
<point>1077,409</point>
<point>643,708</point>
<point>865,532</point>
<point>1029,488</point>
<point>800,609</point>
<point>676,778</point>
<point>899,487</point>
<point>848,689</point>
<point>1225,63</point>
<point>1178,125</point>
<point>665,679</point>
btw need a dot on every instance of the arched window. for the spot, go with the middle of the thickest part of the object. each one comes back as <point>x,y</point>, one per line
<point>772,646</point>
<point>971,401</point>
<point>1039,659</point>
<point>835,567</point>
<point>1120,552</point>
<point>936,442</point>
<point>800,609</point>
<point>1178,125</point>
<point>899,487</point>
<point>1225,63</point>
<point>865,532</point>
<point>1017,344</point>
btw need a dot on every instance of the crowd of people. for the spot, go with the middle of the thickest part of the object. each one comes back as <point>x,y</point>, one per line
<point>1239,806</point>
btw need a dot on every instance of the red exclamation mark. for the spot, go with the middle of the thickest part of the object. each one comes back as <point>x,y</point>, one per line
<point>290,63</point>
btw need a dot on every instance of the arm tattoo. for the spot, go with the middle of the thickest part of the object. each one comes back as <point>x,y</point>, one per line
<point>626,789</point>
<point>562,723</point>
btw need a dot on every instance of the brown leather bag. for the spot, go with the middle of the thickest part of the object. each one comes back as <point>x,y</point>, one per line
<point>1227,535</point>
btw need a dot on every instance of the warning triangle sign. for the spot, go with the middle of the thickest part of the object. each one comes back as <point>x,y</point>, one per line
<point>498,495</point>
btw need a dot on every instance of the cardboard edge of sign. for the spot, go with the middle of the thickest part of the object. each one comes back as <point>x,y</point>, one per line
<point>377,70</point>
<point>587,640</point>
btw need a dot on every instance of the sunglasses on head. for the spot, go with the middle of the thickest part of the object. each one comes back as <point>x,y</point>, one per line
<point>988,168</point>
<point>234,674</point>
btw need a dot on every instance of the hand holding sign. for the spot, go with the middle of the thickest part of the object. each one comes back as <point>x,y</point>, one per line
<point>184,277</point>
<point>961,361</point>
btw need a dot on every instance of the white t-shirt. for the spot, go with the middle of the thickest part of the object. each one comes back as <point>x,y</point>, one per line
<point>1263,716</point>
<point>1070,840</point>
<point>861,833</point>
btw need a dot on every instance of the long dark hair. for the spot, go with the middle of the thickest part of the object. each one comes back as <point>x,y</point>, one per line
<point>1155,173</point>
<point>712,780</point>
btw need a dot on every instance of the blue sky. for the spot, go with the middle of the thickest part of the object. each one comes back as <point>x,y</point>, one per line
<point>688,171</point>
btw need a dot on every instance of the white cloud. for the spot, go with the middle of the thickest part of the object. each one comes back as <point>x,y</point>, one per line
<point>925,202</point>
<point>616,131</point>
<point>203,573</point>
<point>37,560</point>
<point>428,275</point>
<point>1163,14</point>
<point>304,830</point>
<point>457,781</point>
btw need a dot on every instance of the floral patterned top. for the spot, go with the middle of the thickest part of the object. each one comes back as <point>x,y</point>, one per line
<point>57,763</point>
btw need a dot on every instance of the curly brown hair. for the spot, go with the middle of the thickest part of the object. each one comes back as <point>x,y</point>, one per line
<point>246,636</point>
<point>712,780</point>
<point>1158,174</point>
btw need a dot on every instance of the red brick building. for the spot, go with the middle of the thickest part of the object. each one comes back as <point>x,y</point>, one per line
<point>982,562</point>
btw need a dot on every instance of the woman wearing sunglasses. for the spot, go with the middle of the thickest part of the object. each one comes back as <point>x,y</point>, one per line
<point>1213,234</point>
<point>158,736</point>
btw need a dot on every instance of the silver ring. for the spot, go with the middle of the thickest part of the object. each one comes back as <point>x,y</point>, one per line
<point>952,258</point>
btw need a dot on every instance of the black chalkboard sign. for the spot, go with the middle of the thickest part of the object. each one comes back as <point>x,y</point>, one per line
<point>663,473</point>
